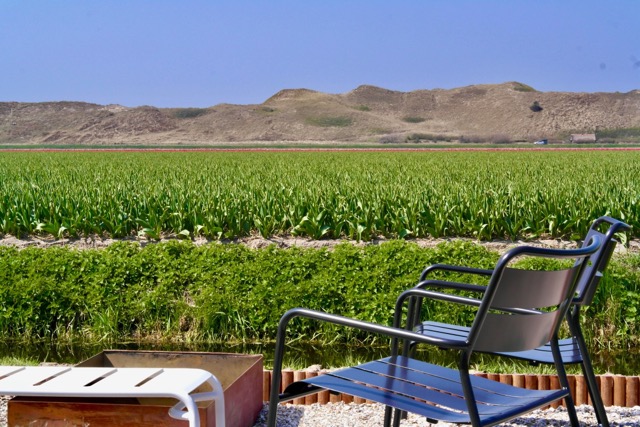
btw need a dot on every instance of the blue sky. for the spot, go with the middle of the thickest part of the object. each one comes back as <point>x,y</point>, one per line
<point>189,53</point>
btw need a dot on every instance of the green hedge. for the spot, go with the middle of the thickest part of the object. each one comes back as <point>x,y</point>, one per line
<point>181,291</point>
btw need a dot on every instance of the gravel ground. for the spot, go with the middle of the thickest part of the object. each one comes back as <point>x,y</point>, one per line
<point>355,415</point>
<point>358,415</point>
<point>3,410</point>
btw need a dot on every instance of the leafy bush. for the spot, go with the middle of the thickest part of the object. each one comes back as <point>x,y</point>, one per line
<point>190,113</point>
<point>180,291</point>
<point>393,138</point>
<point>492,139</point>
<point>500,139</point>
<point>419,137</point>
<point>472,139</point>
<point>329,121</point>
<point>521,87</point>
<point>535,107</point>
<point>413,119</point>
<point>362,107</point>
<point>618,135</point>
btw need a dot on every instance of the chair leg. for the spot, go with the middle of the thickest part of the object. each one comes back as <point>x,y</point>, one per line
<point>568,401</point>
<point>388,410</point>
<point>571,410</point>
<point>594,393</point>
<point>397,416</point>
<point>272,415</point>
<point>393,415</point>
<point>467,388</point>
<point>564,382</point>
<point>587,368</point>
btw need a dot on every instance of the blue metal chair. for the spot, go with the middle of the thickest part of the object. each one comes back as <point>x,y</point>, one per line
<point>573,350</point>
<point>519,310</point>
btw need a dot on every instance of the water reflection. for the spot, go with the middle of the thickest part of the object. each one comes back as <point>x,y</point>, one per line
<point>297,356</point>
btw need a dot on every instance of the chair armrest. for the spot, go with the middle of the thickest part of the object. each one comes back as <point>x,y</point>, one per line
<point>455,269</point>
<point>415,306</point>
<point>457,299</point>
<point>451,285</point>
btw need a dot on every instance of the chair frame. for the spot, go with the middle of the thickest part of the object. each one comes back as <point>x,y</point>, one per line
<point>574,349</point>
<point>511,401</point>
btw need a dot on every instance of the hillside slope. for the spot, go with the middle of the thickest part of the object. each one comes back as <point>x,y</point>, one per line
<point>366,113</point>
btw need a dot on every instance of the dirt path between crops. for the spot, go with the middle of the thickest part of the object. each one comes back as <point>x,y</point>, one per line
<point>96,242</point>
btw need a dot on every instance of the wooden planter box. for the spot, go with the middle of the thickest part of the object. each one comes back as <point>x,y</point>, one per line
<point>240,376</point>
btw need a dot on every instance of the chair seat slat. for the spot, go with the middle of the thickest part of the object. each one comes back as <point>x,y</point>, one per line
<point>399,391</point>
<point>387,398</point>
<point>453,376</point>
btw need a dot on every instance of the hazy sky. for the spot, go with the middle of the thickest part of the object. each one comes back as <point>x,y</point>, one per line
<point>190,53</point>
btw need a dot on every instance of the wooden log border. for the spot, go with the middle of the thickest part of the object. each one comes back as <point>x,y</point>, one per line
<point>616,390</point>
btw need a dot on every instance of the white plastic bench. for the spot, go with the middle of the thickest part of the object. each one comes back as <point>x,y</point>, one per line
<point>65,381</point>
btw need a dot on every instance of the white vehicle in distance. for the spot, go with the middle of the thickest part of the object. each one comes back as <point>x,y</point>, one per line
<point>541,142</point>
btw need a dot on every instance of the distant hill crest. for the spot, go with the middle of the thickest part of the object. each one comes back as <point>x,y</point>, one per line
<point>508,111</point>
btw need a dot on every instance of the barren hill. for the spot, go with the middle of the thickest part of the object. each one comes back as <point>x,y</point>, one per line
<point>512,111</point>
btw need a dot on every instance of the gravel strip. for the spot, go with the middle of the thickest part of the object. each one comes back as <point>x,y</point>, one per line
<point>3,410</point>
<point>359,415</point>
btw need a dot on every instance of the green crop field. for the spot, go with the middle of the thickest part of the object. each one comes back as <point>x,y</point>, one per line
<point>182,292</point>
<point>357,195</point>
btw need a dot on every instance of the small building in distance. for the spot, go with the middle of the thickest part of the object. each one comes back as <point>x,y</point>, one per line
<point>582,138</point>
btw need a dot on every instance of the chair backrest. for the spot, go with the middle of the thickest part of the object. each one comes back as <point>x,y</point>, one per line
<point>522,309</point>
<point>598,262</point>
